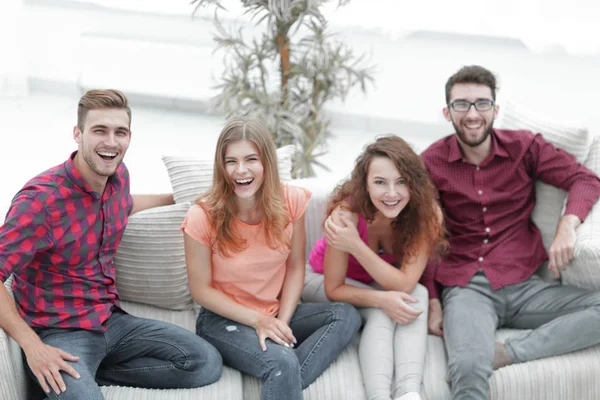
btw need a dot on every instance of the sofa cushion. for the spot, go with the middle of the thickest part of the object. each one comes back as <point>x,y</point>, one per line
<point>150,261</point>
<point>549,200</point>
<point>583,270</point>
<point>192,176</point>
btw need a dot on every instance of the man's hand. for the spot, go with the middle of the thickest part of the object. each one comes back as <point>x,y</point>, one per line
<point>395,304</point>
<point>46,362</point>
<point>563,245</point>
<point>341,237</point>
<point>436,318</point>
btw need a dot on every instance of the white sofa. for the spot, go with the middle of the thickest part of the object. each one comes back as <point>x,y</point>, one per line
<point>152,282</point>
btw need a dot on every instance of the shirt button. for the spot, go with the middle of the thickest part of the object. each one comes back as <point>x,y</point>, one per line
<point>485,241</point>
<point>477,168</point>
<point>480,192</point>
<point>484,209</point>
<point>487,230</point>
<point>480,259</point>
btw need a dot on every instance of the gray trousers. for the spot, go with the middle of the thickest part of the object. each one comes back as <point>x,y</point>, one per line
<point>563,318</point>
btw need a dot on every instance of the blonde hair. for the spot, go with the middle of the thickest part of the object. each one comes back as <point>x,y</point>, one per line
<point>219,201</point>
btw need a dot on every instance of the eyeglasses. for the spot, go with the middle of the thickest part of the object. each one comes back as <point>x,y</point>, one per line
<point>465,106</point>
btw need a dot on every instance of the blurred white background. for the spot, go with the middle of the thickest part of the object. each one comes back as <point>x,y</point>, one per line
<point>545,53</point>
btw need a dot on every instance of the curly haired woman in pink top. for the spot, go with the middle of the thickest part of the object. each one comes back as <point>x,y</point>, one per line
<point>383,225</point>
<point>244,246</point>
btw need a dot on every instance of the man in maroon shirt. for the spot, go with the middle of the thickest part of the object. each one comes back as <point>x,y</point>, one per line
<point>486,181</point>
<point>58,242</point>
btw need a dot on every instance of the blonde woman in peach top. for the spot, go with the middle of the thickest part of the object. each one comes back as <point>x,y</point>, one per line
<point>244,245</point>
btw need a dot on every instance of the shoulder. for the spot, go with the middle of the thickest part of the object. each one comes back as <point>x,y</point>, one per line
<point>43,186</point>
<point>343,210</point>
<point>196,214</point>
<point>438,149</point>
<point>296,199</point>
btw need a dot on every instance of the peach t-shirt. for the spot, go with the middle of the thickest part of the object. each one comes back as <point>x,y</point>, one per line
<point>254,276</point>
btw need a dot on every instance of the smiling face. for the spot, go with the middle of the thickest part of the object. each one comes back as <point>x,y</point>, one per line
<point>472,127</point>
<point>102,145</point>
<point>387,189</point>
<point>244,166</point>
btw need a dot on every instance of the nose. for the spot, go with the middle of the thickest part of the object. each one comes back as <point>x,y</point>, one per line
<point>472,111</point>
<point>392,188</point>
<point>241,167</point>
<point>111,140</point>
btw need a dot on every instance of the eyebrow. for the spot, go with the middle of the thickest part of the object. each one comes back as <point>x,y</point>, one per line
<point>120,128</point>
<point>382,178</point>
<point>248,156</point>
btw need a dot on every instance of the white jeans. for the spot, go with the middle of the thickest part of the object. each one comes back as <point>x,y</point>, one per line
<point>388,351</point>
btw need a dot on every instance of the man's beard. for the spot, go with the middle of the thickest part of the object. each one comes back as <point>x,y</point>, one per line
<point>463,137</point>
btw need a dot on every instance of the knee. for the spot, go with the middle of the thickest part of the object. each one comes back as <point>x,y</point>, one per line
<point>282,362</point>
<point>348,315</point>
<point>205,362</point>
<point>420,293</point>
<point>469,367</point>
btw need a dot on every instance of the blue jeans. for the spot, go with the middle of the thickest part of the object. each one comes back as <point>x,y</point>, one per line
<point>322,332</point>
<point>134,352</point>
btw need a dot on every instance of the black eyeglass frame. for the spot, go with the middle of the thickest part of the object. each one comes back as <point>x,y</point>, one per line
<point>472,104</point>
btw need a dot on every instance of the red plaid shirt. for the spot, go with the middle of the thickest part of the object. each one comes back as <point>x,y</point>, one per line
<point>488,207</point>
<point>59,240</point>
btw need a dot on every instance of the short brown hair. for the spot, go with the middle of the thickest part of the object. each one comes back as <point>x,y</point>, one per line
<point>99,99</point>
<point>472,74</point>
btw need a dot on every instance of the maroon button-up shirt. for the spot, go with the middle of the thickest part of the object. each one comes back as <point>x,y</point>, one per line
<point>59,240</point>
<point>488,207</point>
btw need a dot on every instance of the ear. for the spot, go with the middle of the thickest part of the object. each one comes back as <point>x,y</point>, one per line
<point>77,134</point>
<point>496,110</point>
<point>446,112</point>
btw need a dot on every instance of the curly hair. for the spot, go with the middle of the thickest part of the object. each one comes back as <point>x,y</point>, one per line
<point>219,201</point>
<point>419,221</point>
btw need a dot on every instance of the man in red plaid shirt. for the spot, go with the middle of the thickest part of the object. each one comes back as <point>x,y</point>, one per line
<point>58,242</point>
<point>486,180</point>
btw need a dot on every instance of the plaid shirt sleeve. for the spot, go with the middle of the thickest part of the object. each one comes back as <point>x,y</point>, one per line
<point>26,231</point>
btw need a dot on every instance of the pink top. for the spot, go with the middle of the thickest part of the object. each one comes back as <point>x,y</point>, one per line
<point>355,270</point>
<point>254,276</point>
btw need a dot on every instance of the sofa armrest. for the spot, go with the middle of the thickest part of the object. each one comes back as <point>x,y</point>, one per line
<point>13,384</point>
<point>321,189</point>
<point>584,270</point>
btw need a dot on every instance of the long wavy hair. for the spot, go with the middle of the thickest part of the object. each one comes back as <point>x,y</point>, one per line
<point>419,221</point>
<point>219,202</point>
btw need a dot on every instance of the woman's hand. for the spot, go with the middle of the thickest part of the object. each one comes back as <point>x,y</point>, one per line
<point>395,305</point>
<point>274,329</point>
<point>343,236</point>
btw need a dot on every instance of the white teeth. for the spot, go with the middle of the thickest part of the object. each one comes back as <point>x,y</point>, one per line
<point>391,204</point>
<point>244,181</point>
<point>106,154</point>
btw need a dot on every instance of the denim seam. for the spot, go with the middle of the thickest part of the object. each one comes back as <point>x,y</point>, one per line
<point>186,355</point>
<point>330,326</point>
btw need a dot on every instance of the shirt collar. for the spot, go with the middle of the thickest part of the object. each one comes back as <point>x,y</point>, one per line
<point>455,154</point>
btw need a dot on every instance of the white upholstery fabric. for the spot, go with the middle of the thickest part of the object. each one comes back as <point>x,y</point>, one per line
<point>150,261</point>
<point>584,270</point>
<point>191,176</point>
<point>13,383</point>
